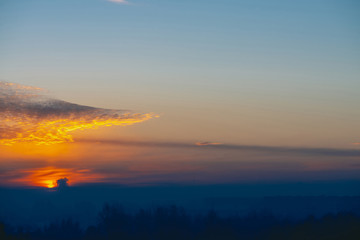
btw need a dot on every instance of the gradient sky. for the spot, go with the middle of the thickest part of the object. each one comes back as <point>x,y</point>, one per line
<point>268,73</point>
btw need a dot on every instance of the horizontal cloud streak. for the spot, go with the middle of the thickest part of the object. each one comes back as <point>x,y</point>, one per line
<point>27,115</point>
<point>267,149</point>
<point>207,143</point>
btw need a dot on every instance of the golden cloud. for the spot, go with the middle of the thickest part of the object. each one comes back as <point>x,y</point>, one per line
<point>29,116</point>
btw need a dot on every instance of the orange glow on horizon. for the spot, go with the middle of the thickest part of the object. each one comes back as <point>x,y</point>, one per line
<point>47,177</point>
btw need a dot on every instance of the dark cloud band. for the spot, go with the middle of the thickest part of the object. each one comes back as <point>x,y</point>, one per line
<point>265,149</point>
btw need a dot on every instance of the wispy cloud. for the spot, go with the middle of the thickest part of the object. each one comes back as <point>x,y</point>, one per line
<point>28,115</point>
<point>356,143</point>
<point>119,1</point>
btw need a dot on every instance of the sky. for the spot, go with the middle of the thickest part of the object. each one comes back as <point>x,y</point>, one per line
<point>165,91</point>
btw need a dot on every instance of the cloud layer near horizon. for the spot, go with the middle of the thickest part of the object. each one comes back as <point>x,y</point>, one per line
<point>220,146</point>
<point>27,115</point>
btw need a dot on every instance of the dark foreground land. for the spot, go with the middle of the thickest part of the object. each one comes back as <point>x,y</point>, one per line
<point>174,223</point>
<point>261,211</point>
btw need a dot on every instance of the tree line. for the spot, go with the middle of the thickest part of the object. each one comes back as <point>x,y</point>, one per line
<point>172,222</point>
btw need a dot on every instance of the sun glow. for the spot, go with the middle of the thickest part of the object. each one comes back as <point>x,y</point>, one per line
<point>49,183</point>
<point>47,177</point>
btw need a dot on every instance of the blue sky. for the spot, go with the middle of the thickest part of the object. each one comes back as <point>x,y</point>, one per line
<point>277,59</point>
<point>270,73</point>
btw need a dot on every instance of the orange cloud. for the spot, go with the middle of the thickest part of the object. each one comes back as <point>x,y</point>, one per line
<point>356,143</point>
<point>27,116</point>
